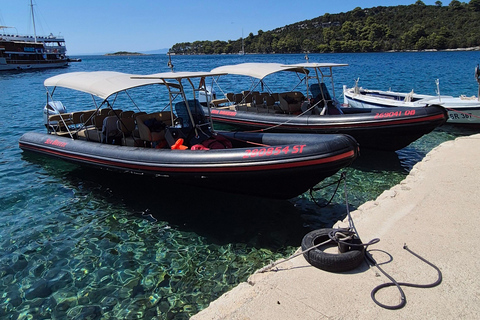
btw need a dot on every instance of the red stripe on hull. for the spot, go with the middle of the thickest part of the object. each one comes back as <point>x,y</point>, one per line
<point>243,168</point>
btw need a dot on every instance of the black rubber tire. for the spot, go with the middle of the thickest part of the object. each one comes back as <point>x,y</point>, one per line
<point>327,261</point>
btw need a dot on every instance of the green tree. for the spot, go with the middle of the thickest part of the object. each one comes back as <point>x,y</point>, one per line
<point>335,46</point>
<point>375,31</point>
<point>474,5</point>
<point>358,13</point>
<point>328,35</point>
<point>308,45</point>
<point>422,43</point>
<point>411,37</point>
<point>323,48</point>
<point>455,4</point>
<point>362,30</point>
<point>366,46</point>
<point>349,31</point>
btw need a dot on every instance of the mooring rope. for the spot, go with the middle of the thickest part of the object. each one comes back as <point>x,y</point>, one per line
<point>342,177</point>
<point>332,236</point>
<point>348,234</point>
<point>403,298</point>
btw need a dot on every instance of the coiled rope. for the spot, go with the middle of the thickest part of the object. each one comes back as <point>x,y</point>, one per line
<point>393,282</point>
<point>341,236</point>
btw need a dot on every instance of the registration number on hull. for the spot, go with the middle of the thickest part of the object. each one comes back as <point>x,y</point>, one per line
<point>382,115</point>
<point>459,115</point>
<point>266,152</point>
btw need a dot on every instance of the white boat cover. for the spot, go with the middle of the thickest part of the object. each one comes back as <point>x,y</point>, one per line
<point>99,83</point>
<point>307,65</point>
<point>256,69</point>
<point>105,83</point>
<point>179,75</point>
<point>261,70</point>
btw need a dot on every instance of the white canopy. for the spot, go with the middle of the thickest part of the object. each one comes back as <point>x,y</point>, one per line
<point>256,70</point>
<point>261,70</point>
<point>99,83</point>
<point>179,75</point>
<point>307,65</point>
<point>105,83</point>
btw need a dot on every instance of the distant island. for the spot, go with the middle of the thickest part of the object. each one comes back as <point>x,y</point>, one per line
<point>125,53</point>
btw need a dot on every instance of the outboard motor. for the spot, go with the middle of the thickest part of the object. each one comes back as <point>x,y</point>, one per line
<point>52,107</point>
<point>202,95</point>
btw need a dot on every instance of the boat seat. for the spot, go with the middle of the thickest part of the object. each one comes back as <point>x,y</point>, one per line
<point>150,128</point>
<point>237,98</point>
<point>85,123</point>
<point>248,97</point>
<point>320,91</point>
<point>126,114</point>
<point>115,112</point>
<point>200,129</point>
<point>77,118</point>
<point>60,121</point>
<point>135,114</point>
<point>87,117</point>
<point>269,100</point>
<point>230,96</point>
<point>59,124</point>
<point>110,133</point>
<point>94,133</point>
<point>291,102</point>
<point>259,99</point>
<point>126,126</point>
<point>332,109</point>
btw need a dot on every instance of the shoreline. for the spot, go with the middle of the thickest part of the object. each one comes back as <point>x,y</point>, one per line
<point>233,54</point>
<point>432,210</point>
<point>390,51</point>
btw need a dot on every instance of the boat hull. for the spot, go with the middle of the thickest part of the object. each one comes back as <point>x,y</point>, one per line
<point>381,129</point>
<point>280,166</point>
<point>32,65</point>
<point>460,110</point>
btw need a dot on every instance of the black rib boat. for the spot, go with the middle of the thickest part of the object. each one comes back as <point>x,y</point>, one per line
<point>317,111</point>
<point>182,151</point>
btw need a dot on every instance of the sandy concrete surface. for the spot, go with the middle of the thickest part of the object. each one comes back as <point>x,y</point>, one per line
<point>435,211</point>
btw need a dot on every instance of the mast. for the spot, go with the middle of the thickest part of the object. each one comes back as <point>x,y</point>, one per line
<point>477,77</point>
<point>243,44</point>
<point>33,21</point>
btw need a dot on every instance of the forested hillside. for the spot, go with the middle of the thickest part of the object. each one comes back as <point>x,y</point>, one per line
<point>413,27</point>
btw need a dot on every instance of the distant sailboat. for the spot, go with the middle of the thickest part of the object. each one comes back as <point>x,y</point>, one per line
<point>242,52</point>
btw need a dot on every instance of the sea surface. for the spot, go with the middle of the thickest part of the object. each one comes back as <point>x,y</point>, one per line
<point>78,243</point>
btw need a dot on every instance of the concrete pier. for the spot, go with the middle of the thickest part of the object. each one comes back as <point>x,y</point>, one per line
<point>435,211</point>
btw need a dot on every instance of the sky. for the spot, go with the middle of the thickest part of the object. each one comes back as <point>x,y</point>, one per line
<point>102,26</point>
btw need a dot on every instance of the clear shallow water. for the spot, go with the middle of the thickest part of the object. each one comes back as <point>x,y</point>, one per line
<point>77,243</point>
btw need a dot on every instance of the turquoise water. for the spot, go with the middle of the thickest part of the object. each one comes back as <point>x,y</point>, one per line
<point>76,243</point>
